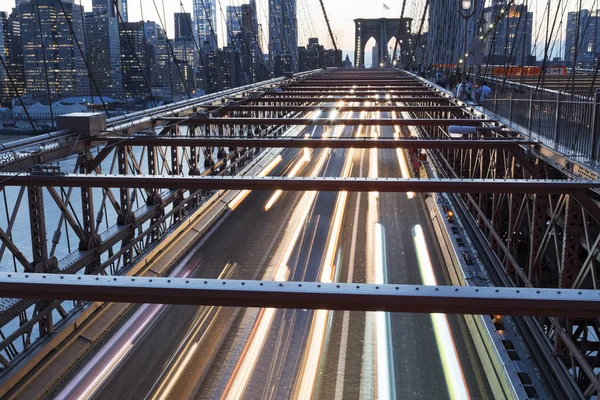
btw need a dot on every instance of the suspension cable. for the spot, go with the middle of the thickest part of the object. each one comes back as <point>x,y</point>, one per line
<point>338,54</point>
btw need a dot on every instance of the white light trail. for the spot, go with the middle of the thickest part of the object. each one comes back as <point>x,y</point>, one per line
<point>455,380</point>
<point>237,385</point>
<point>264,172</point>
<point>295,170</point>
<point>403,166</point>
<point>81,387</point>
<point>386,388</point>
<point>312,358</point>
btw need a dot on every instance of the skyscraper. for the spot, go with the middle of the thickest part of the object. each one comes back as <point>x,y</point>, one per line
<point>205,19</point>
<point>123,10</point>
<point>108,7</point>
<point>11,53</point>
<point>104,48</point>
<point>234,22</point>
<point>510,42</point>
<point>135,62</point>
<point>184,50</point>
<point>4,46</point>
<point>253,34</point>
<point>243,35</point>
<point>283,35</point>
<point>582,38</point>
<point>183,26</point>
<point>158,54</point>
<point>50,50</point>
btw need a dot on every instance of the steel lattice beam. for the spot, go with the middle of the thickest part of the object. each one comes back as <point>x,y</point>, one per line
<point>328,121</point>
<point>305,295</point>
<point>366,143</point>
<point>345,108</point>
<point>393,185</point>
<point>356,93</point>
<point>348,99</point>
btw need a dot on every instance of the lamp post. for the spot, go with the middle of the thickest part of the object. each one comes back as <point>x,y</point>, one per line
<point>466,9</point>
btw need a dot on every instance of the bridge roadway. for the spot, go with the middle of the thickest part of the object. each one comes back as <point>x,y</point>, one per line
<point>205,353</point>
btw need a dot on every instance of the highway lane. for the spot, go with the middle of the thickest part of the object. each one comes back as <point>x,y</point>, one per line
<point>348,371</point>
<point>417,362</point>
<point>274,370</point>
<point>340,374</point>
<point>276,374</point>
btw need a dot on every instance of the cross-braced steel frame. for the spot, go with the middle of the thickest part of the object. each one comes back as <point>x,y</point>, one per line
<point>95,203</point>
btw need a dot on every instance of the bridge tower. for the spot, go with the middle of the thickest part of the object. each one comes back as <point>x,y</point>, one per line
<point>382,30</point>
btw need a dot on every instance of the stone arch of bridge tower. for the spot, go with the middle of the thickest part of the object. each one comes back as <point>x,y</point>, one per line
<point>368,45</point>
<point>382,29</point>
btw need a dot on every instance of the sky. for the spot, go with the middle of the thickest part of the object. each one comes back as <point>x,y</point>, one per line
<point>341,14</point>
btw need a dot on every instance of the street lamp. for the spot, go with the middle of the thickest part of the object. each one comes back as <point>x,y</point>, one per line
<point>466,10</point>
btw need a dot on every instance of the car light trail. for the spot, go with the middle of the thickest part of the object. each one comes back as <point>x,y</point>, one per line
<point>236,387</point>
<point>80,389</point>
<point>455,380</point>
<point>115,350</point>
<point>244,193</point>
<point>314,348</point>
<point>385,370</point>
<point>241,376</point>
<point>202,323</point>
<point>312,357</point>
<point>403,166</point>
<point>369,362</point>
<point>294,172</point>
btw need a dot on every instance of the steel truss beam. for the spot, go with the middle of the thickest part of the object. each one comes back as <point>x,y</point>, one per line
<point>355,89</point>
<point>349,99</point>
<point>394,185</point>
<point>357,83</point>
<point>306,295</point>
<point>362,143</point>
<point>356,93</point>
<point>328,121</point>
<point>308,108</point>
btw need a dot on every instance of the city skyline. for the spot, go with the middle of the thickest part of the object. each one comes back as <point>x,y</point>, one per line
<point>340,12</point>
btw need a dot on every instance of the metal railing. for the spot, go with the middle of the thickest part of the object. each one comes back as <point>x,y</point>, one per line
<point>568,120</point>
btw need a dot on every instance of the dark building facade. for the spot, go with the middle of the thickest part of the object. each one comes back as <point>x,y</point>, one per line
<point>223,69</point>
<point>136,62</point>
<point>510,41</point>
<point>11,81</point>
<point>283,36</point>
<point>314,56</point>
<point>183,26</point>
<point>104,48</point>
<point>243,32</point>
<point>582,41</point>
<point>50,50</point>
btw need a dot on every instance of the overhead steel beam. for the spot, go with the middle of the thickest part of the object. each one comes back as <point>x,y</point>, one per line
<point>319,86</point>
<point>357,83</point>
<point>393,185</point>
<point>363,143</point>
<point>305,295</point>
<point>382,108</point>
<point>328,121</point>
<point>357,93</point>
<point>348,99</point>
